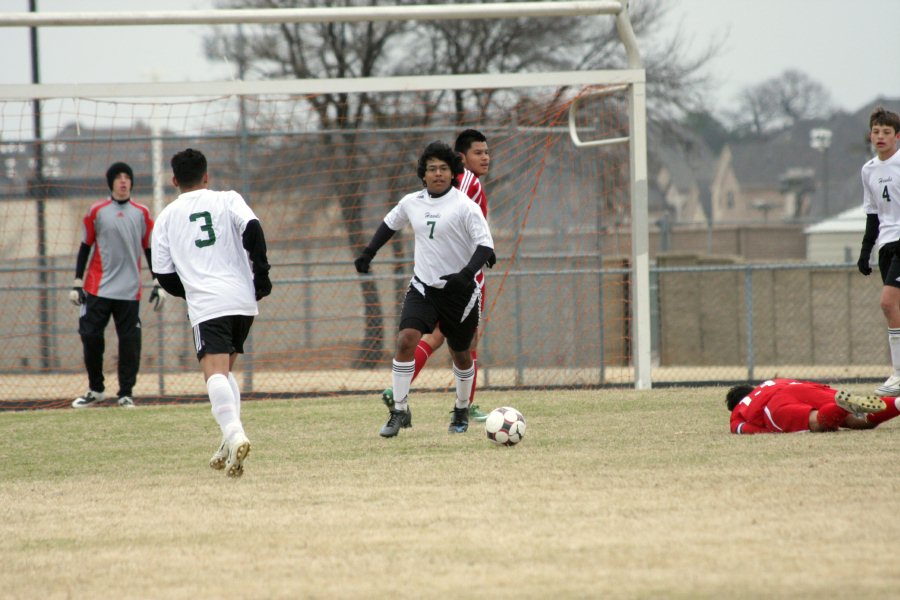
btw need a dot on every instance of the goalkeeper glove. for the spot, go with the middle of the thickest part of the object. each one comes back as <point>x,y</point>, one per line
<point>157,298</point>
<point>492,260</point>
<point>363,261</point>
<point>863,263</point>
<point>76,295</point>
<point>459,283</point>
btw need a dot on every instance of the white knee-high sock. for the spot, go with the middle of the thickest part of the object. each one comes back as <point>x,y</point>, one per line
<point>237,394</point>
<point>223,406</point>
<point>401,377</point>
<point>894,343</point>
<point>464,380</point>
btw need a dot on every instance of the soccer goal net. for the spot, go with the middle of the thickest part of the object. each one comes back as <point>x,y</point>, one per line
<point>321,169</point>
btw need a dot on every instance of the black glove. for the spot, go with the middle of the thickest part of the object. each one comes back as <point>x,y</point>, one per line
<point>262,285</point>
<point>363,260</point>
<point>863,263</point>
<point>460,283</point>
<point>492,261</point>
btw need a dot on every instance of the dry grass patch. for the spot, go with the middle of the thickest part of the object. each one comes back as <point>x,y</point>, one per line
<point>611,494</point>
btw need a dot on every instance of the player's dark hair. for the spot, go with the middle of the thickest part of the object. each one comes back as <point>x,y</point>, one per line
<point>884,117</point>
<point>188,167</point>
<point>465,140</point>
<point>736,394</point>
<point>115,169</point>
<point>440,151</point>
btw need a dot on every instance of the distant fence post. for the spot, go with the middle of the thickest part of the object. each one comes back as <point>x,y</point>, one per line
<point>748,305</point>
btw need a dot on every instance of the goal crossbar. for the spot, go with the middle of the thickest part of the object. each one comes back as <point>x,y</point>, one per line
<point>314,15</point>
<point>510,10</point>
<point>318,86</point>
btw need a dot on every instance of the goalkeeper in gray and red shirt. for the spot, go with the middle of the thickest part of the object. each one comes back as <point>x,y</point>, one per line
<point>115,232</point>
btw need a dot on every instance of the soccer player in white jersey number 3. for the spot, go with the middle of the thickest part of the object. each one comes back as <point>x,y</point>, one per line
<point>881,202</point>
<point>208,247</point>
<point>452,244</point>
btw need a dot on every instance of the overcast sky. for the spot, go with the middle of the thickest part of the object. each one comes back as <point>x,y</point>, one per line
<point>851,48</point>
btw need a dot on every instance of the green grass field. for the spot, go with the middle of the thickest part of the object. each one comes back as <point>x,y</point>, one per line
<point>612,494</point>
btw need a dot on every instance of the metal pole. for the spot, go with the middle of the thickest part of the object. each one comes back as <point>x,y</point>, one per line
<point>156,167</point>
<point>748,309</point>
<point>825,180</point>
<point>245,184</point>
<point>520,346</point>
<point>640,240</point>
<point>343,14</point>
<point>39,190</point>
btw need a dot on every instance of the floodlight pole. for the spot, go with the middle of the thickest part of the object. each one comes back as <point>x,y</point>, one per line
<point>820,139</point>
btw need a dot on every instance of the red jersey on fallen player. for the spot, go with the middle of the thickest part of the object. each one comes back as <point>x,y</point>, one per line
<point>789,398</point>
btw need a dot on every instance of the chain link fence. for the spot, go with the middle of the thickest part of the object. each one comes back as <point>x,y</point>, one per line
<point>712,324</point>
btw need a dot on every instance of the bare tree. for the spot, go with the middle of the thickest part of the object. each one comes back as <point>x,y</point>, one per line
<point>329,50</point>
<point>675,75</point>
<point>779,102</point>
<point>409,48</point>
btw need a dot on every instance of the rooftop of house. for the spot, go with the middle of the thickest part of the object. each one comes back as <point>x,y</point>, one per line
<point>852,220</point>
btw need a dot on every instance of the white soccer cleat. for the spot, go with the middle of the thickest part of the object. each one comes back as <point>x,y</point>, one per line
<point>90,398</point>
<point>891,387</point>
<point>858,404</point>
<point>126,402</point>
<point>238,449</point>
<point>218,459</point>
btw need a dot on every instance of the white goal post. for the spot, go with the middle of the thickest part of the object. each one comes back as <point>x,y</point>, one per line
<point>632,78</point>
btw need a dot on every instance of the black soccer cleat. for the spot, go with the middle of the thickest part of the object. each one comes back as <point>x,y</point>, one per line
<point>459,423</point>
<point>398,419</point>
<point>90,398</point>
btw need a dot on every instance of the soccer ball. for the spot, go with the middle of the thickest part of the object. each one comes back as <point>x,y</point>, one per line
<point>505,426</point>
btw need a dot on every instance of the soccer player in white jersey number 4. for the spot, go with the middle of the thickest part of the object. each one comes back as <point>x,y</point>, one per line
<point>452,244</point>
<point>208,247</point>
<point>881,202</point>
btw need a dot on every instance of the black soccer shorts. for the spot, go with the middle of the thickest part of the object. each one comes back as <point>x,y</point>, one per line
<point>889,264</point>
<point>222,335</point>
<point>423,312</point>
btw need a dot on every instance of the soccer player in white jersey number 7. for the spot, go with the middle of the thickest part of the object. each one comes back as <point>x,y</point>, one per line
<point>472,147</point>
<point>452,244</point>
<point>208,247</point>
<point>881,202</point>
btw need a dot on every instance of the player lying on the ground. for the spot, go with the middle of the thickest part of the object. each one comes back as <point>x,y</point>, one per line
<point>788,405</point>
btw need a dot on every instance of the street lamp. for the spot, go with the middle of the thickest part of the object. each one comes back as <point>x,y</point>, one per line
<point>820,139</point>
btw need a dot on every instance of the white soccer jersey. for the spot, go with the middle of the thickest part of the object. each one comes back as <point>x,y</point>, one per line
<point>447,228</point>
<point>881,196</point>
<point>199,236</point>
